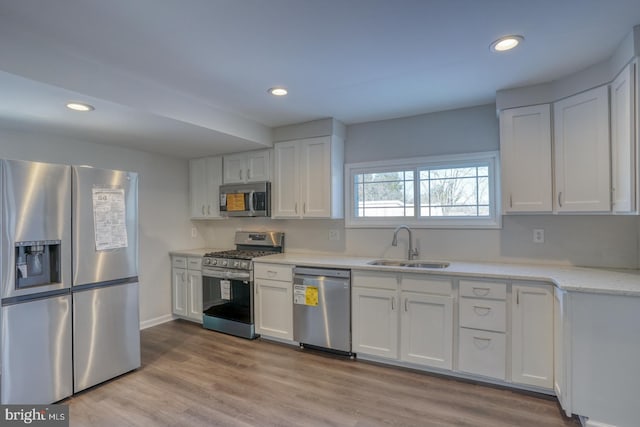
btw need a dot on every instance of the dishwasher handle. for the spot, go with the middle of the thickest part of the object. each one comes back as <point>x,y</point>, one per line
<point>326,272</point>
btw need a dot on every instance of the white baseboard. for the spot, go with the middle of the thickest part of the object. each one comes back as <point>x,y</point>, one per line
<point>156,321</point>
<point>586,422</point>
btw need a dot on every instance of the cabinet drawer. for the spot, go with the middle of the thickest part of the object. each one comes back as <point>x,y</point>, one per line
<point>482,353</point>
<point>422,283</point>
<point>377,280</point>
<point>483,314</point>
<point>179,262</point>
<point>478,289</point>
<point>273,272</point>
<point>194,263</point>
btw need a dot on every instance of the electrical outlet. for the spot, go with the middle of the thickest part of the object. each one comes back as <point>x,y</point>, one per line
<point>334,234</point>
<point>538,235</point>
<point>194,232</point>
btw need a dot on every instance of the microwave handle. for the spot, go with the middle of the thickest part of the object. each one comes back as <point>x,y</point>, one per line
<point>252,208</point>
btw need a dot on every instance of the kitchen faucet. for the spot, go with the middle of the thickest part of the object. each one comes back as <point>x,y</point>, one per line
<point>413,252</point>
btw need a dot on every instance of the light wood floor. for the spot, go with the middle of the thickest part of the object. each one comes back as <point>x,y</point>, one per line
<point>194,377</point>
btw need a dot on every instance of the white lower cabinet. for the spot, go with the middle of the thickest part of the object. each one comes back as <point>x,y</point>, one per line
<point>186,287</point>
<point>427,329</point>
<point>406,317</point>
<point>532,335</point>
<point>482,340</point>
<point>375,322</point>
<point>482,353</point>
<point>179,294</point>
<point>273,303</point>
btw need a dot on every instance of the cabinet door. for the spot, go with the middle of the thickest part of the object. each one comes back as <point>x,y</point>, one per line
<point>194,296</point>
<point>315,178</point>
<point>581,130</point>
<point>258,165</point>
<point>622,141</point>
<point>198,188</point>
<point>214,179</point>
<point>274,308</point>
<point>375,322</point>
<point>234,168</point>
<point>560,366</point>
<point>532,335</point>
<point>286,188</point>
<point>525,150</point>
<point>426,326</point>
<point>179,286</point>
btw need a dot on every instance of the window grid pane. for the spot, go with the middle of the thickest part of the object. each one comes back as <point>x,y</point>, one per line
<point>455,191</point>
<point>384,194</point>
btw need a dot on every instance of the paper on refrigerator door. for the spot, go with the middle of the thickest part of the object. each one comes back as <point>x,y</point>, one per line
<point>225,289</point>
<point>109,218</point>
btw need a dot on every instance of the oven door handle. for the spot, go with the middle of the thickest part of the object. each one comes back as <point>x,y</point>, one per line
<point>221,274</point>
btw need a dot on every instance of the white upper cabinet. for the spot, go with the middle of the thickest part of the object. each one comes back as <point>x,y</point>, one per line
<point>205,177</point>
<point>308,178</point>
<point>251,166</point>
<point>525,150</point>
<point>582,163</point>
<point>623,141</point>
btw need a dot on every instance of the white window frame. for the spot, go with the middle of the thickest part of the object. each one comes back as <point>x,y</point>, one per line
<point>494,220</point>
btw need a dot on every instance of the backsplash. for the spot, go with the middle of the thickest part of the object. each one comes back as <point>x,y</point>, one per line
<point>594,241</point>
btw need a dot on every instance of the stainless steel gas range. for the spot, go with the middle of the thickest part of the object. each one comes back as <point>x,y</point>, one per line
<point>227,282</point>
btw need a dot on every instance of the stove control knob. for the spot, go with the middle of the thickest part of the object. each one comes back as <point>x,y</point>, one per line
<point>236,264</point>
<point>224,263</point>
<point>206,261</point>
<point>213,261</point>
<point>245,265</point>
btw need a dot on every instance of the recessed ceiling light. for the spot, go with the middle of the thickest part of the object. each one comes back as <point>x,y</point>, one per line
<point>506,43</point>
<point>79,106</point>
<point>278,91</point>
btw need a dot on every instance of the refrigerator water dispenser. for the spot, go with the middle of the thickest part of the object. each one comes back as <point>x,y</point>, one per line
<point>37,263</point>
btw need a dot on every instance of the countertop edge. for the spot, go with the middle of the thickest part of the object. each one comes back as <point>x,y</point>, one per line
<point>566,278</point>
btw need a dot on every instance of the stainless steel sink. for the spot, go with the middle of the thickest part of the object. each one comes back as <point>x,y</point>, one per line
<point>411,264</point>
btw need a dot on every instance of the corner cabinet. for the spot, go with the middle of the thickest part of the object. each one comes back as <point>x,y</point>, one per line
<point>582,160</point>
<point>205,177</point>
<point>308,181</point>
<point>250,166</point>
<point>186,285</point>
<point>525,151</point>
<point>623,147</point>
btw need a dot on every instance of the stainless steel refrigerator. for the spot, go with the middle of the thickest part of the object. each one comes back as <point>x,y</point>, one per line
<point>35,271</point>
<point>68,278</point>
<point>106,325</point>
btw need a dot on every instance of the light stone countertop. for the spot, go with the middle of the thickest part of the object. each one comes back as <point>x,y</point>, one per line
<point>578,279</point>
<point>195,252</point>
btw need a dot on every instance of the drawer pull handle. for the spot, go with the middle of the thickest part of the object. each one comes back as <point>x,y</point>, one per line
<point>481,343</point>
<point>481,292</point>
<point>272,273</point>
<point>481,311</point>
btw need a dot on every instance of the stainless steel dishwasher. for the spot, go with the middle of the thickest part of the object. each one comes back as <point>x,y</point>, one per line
<point>322,308</point>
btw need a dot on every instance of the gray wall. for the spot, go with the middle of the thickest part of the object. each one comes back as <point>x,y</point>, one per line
<point>467,130</point>
<point>587,240</point>
<point>163,203</point>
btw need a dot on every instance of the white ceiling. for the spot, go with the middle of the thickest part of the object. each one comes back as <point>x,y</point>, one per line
<point>189,78</point>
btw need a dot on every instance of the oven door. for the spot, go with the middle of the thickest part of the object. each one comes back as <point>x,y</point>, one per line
<point>227,295</point>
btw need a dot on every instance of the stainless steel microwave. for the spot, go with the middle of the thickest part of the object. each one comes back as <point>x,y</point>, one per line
<point>251,199</point>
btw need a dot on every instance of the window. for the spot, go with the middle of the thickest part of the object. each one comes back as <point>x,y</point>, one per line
<point>443,191</point>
